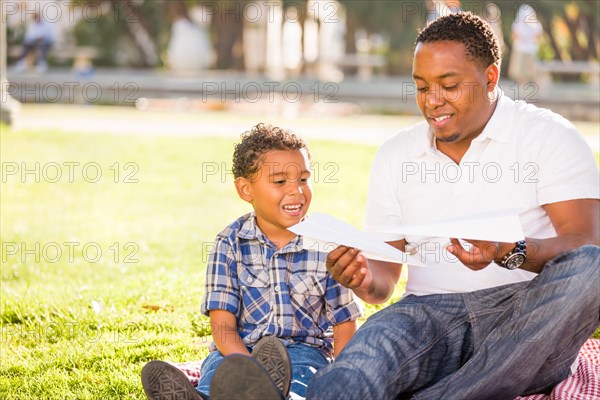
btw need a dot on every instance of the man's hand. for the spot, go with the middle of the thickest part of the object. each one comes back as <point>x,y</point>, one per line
<point>481,254</point>
<point>373,281</point>
<point>350,268</point>
<point>577,223</point>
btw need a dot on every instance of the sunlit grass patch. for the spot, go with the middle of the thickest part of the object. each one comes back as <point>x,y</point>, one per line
<point>104,245</point>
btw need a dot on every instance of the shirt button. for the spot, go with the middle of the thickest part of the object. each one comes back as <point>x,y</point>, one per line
<point>249,280</point>
<point>277,288</point>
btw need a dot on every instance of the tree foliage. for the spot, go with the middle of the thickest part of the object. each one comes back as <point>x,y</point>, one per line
<point>571,27</point>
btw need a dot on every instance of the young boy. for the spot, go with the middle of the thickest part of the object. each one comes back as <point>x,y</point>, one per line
<point>262,284</point>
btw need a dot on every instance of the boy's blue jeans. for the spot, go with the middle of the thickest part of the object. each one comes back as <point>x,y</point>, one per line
<point>306,360</point>
<point>496,343</point>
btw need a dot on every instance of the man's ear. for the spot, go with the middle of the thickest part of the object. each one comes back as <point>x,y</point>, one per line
<point>244,189</point>
<point>492,74</point>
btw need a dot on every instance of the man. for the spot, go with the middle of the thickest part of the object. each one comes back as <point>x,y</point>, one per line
<point>483,320</point>
<point>39,34</point>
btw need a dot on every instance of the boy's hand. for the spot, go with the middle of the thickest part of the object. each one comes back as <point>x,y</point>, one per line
<point>350,268</point>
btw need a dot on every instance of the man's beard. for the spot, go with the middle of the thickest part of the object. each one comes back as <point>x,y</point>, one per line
<point>449,139</point>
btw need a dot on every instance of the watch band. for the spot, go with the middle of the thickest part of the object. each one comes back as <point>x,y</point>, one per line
<point>516,257</point>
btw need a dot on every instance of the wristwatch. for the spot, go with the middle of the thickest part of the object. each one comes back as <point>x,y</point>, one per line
<point>516,257</point>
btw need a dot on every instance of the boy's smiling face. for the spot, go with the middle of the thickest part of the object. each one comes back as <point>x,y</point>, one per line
<point>280,192</point>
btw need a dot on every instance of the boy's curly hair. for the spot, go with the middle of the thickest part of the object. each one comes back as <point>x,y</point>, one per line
<point>258,141</point>
<point>469,29</point>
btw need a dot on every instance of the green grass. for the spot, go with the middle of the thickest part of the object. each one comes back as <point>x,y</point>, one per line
<point>81,326</point>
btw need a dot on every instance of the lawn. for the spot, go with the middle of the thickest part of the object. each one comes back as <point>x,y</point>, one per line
<point>104,243</point>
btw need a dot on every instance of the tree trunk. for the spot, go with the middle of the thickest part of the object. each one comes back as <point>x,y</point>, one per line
<point>228,24</point>
<point>301,21</point>
<point>352,24</point>
<point>175,9</point>
<point>593,37</point>
<point>138,29</point>
<point>576,51</point>
<point>547,26</point>
<point>9,107</point>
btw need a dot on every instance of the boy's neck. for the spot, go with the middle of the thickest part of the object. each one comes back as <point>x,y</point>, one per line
<point>279,237</point>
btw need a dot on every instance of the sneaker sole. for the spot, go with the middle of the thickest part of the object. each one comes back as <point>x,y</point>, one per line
<point>273,356</point>
<point>162,381</point>
<point>241,377</point>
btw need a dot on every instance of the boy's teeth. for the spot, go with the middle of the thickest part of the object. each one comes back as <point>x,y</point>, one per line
<point>293,208</point>
<point>441,118</point>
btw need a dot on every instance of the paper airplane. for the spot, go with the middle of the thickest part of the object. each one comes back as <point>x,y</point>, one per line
<point>498,226</point>
<point>328,232</point>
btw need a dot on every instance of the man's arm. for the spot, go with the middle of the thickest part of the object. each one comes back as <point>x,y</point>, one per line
<point>342,333</point>
<point>577,223</point>
<point>225,334</point>
<point>373,281</point>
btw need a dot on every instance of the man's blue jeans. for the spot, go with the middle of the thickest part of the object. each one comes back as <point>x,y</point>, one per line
<point>496,343</point>
<point>306,360</point>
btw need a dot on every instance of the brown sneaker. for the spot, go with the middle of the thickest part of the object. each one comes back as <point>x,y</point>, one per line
<point>240,377</point>
<point>163,381</point>
<point>274,357</point>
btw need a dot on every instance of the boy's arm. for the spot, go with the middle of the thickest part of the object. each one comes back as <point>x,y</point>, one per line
<point>225,334</point>
<point>342,333</point>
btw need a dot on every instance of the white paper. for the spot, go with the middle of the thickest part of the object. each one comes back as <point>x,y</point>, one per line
<point>328,232</point>
<point>498,226</point>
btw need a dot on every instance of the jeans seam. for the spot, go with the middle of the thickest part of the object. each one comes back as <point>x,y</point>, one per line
<point>438,390</point>
<point>573,253</point>
<point>428,347</point>
<point>475,345</point>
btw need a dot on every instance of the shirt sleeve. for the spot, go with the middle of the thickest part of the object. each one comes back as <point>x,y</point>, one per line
<point>340,303</point>
<point>567,169</point>
<point>221,287</point>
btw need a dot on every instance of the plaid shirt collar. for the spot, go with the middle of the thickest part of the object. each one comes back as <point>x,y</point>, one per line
<point>251,231</point>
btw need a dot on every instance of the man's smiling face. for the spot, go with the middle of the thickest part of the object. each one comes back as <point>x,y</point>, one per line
<point>453,90</point>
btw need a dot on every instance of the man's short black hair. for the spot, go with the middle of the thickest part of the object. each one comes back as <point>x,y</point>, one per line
<point>261,139</point>
<point>469,29</point>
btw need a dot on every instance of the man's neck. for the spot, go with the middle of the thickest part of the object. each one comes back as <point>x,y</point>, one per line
<point>457,150</point>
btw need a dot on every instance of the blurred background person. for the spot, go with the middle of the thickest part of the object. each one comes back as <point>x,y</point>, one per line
<point>189,49</point>
<point>39,35</point>
<point>526,34</point>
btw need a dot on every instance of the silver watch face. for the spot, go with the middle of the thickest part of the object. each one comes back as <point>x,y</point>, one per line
<point>515,261</point>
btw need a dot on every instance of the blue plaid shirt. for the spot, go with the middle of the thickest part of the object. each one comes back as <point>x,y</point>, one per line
<point>287,292</point>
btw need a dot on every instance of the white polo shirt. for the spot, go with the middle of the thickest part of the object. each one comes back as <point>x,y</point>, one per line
<point>524,158</point>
